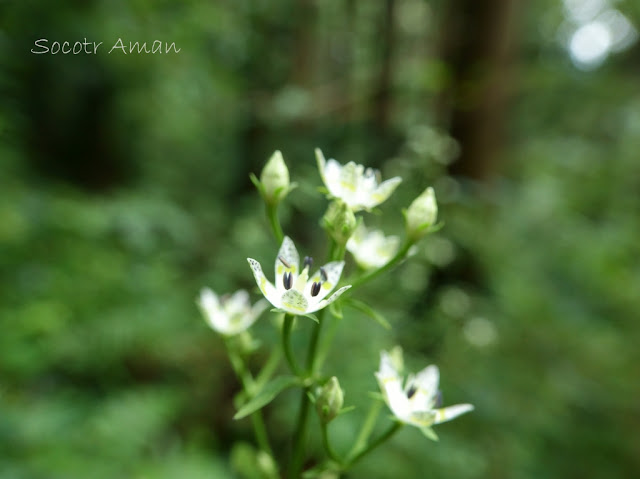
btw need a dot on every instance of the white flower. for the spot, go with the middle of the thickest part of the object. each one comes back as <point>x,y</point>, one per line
<point>294,292</point>
<point>354,185</point>
<point>371,248</point>
<point>229,315</point>
<point>417,402</point>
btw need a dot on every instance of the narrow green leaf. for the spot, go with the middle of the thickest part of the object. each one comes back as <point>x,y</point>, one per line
<point>369,311</point>
<point>267,394</point>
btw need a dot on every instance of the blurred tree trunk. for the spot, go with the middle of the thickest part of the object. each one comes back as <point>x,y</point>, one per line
<point>382,98</point>
<point>476,46</point>
<point>382,141</point>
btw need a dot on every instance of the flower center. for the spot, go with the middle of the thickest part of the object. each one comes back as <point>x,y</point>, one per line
<point>411,392</point>
<point>301,280</point>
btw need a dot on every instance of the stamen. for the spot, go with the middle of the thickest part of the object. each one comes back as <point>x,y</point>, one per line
<point>308,261</point>
<point>287,280</point>
<point>315,288</point>
<point>286,265</point>
<point>412,390</point>
<point>323,273</point>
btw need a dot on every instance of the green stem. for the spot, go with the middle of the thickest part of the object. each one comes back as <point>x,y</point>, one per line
<point>395,427</point>
<point>272,214</point>
<point>260,432</point>
<point>367,427</point>
<point>299,437</point>
<point>249,385</point>
<point>327,445</point>
<point>286,344</point>
<point>400,255</point>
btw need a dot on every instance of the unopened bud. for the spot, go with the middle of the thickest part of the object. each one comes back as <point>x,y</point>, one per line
<point>275,178</point>
<point>329,400</point>
<point>340,222</point>
<point>422,214</point>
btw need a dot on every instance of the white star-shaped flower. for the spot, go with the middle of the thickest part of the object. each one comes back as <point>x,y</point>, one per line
<point>356,186</point>
<point>417,402</point>
<point>294,292</point>
<point>371,248</point>
<point>229,315</point>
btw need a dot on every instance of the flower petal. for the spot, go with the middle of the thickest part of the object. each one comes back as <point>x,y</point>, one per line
<point>333,272</point>
<point>383,191</point>
<point>427,380</point>
<point>268,290</point>
<point>294,302</point>
<point>326,302</point>
<point>395,397</point>
<point>448,413</point>
<point>210,306</point>
<point>289,254</point>
<point>238,302</point>
<point>258,308</point>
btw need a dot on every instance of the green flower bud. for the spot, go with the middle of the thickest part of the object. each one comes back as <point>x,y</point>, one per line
<point>340,222</point>
<point>329,400</point>
<point>422,214</point>
<point>275,179</point>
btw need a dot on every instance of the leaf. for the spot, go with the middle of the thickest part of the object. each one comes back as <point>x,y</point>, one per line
<point>267,394</point>
<point>429,433</point>
<point>369,311</point>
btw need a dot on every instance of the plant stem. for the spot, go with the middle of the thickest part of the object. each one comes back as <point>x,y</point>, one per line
<point>327,445</point>
<point>272,214</point>
<point>260,432</point>
<point>286,344</point>
<point>249,385</point>
<point>367,427</point>
<point>395,427</point>
<point>299,437</point>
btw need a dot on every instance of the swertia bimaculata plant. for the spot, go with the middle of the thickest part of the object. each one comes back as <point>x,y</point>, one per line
<point>298,293</point>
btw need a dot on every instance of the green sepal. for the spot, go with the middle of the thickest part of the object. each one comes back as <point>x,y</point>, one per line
<point>312,317</point>
<point>369,311</point>
<point>429,433</point>
<point>345,410</point>
<point>257,183</point>
<point>267,394</point>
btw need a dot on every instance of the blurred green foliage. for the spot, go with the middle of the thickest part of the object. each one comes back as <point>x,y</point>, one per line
<point>124,189</point>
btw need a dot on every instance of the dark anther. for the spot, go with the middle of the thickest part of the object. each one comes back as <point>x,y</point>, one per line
<point>315,288</point>
<point>323,273</point>
<point>412,390</point>
<point>308,261</point>
<point>287,280</point>
<point>438,399</point>
<point>286,265</point>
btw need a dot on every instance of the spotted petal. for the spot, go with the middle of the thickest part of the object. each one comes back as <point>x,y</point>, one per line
<point>294,302</point>
<point>289,254</point>
<point>268,290</point>
<point>326,302</point>
<point>333,271</point>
